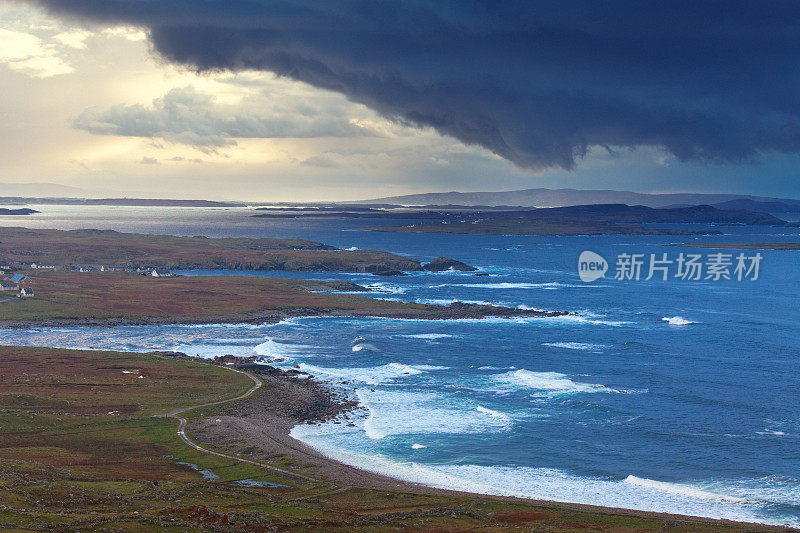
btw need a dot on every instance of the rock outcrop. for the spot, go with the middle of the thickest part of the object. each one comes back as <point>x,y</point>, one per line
<point>440,264</point>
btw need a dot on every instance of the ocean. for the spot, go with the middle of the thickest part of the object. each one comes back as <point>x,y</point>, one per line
<point>676,396</point>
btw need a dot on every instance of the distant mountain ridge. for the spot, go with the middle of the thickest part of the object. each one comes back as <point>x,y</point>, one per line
<point>772,206</point>
<point>39,190</point>
<point>567,197</point>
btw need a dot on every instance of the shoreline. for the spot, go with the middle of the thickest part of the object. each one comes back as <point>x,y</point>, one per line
<point>260,428</point>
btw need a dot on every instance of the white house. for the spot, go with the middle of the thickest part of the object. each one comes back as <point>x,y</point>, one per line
<point>26,293</point>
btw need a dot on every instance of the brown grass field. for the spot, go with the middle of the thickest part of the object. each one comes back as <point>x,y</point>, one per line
<point>114,297</point>
<point>81,451</point>
<point>130,250</point>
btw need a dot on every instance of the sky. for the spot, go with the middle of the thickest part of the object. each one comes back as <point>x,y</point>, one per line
<point>342,100</point>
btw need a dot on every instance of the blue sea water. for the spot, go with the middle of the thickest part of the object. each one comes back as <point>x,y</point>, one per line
<point>675,396</point>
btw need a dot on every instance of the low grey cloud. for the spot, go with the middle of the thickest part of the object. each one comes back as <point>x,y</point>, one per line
<point>187,116</point>
<point>179,159</point>
<point>320,161</point>
<point>537,83</point>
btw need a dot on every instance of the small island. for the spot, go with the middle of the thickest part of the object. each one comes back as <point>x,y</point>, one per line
<point>22,211</point>
<point>600,219</point>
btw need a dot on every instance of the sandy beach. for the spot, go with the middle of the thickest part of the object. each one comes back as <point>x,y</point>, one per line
<point>258,428</point>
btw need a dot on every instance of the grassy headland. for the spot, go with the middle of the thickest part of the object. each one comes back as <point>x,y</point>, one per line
<point>81,451</point>
<point>108,298</point>
<point>22,246</point>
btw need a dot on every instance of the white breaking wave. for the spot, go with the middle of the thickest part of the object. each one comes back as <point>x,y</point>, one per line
<point>385,288</point>
<point>575,345</point>
<point>552,285</point>
<point>428,336</point>
<point>393,412</point>
<point>416,446</point>
<point>370,375</point>
<point>682,489</point>
<point>548,484</point>
<point>365,346</point>
<point>547,382</point>
<point>493,413</point>
<point>573,319</point>
<point>678,321</point>
<point>270,348</point>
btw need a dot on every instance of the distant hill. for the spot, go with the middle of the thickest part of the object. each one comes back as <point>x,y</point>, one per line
<point>568,197</point>
<point>594,219</point>
<point>47,190</point>
<point>773,206</point>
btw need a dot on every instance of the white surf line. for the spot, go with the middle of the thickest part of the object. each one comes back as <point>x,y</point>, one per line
<point>182,426</point>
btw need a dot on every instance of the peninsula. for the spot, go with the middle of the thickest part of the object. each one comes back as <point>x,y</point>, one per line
<point>122,298</point>
<point>21,247</point>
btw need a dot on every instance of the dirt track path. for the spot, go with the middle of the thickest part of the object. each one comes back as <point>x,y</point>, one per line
<point>175,413</point>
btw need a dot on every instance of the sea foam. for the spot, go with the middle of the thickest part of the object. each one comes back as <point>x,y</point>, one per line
<point>428,336</point>
<point>677,321</point>
<point>682,490</point>
<point>551,484</point>
<point>271,348</point>
<point>551,285</point>
<point>393,412</point>
<point>545,382</point>
<point>370,375</point>
<point>575,345</point>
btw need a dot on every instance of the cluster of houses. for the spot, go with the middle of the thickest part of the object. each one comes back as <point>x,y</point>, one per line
<point>144,271</point>
<point>155,272</point>
<point>11,282</point>
<point>92,268</point>
<point>37,266</point>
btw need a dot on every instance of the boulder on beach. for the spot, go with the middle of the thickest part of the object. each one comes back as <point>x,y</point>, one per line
<point>440,264</point>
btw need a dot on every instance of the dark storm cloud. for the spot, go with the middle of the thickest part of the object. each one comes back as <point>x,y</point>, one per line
<point>535,82</point>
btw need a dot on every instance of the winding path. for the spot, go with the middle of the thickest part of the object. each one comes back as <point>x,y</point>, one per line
<point>175,413</point>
